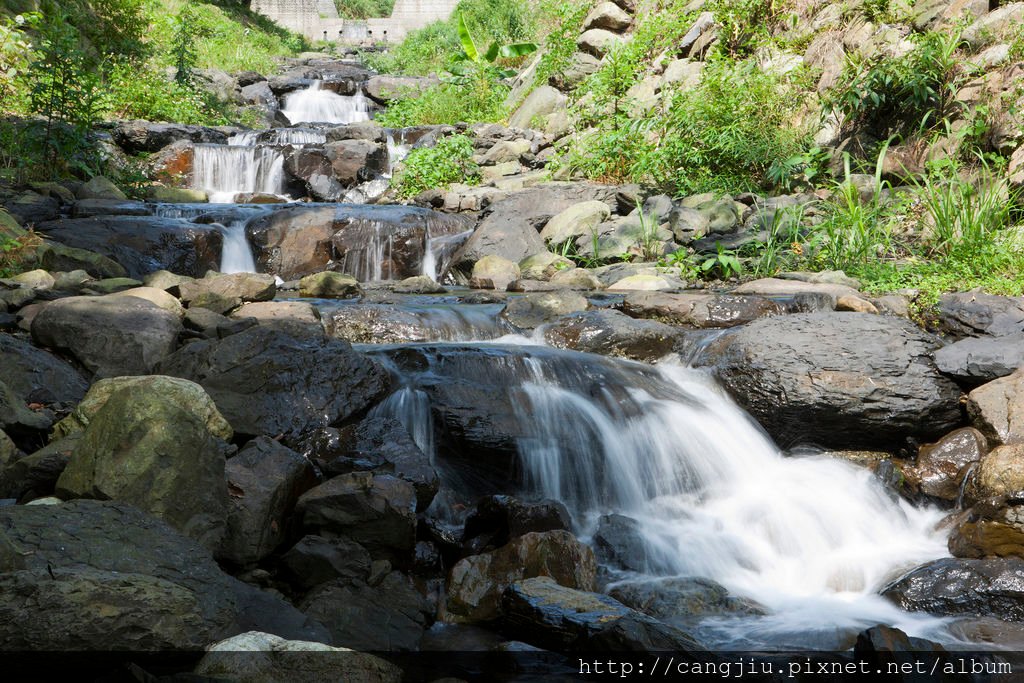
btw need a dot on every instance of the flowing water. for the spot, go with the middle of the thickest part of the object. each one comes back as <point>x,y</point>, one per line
<point>318,105</point>
<point>236,254</point>
<point>224,171</point>
<point>812,539</point>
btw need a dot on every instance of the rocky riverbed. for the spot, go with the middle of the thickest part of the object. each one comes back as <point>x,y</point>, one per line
<point>407,428</point>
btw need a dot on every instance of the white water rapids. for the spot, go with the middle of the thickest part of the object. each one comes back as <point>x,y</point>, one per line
<point>315,104</point>
<point>811,539</point>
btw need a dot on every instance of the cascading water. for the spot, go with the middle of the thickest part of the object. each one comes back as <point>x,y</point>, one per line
<point>317,105</point>
<point>236,255</point>
<point>397,151</point>
<point>812,539</point>
<point>439,250</point>
<point>224,171</point>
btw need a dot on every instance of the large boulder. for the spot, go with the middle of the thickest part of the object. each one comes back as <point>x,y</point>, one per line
<point>496,520</point>
<point>578,220</point>
<point>974,313</point>
<point>389,617</point>
<point>541,612</point>
<point>681,601</point>
<point>264,482</point>
<point>141,244</point>
<point>384,89</point>
<point>222,293</point>
<point>512,226</point>
<point>36,376</point>
<point>612,333</point>
<point>533,310</point>
<point>700,310</point>
<point>476,583</point>
<point>382,445</point>
<point>369,323</point>
<point>356,161</point>
<point>997,409</point>
<point>378,511</point>
<point>145,136</point>
<point>982,359</point>
<point>91,575</point>
<point>264,658</point>
<point>315,560</point>
<point>109,335</point>
<point>174,389</point>
<point>950,586</point>
<point>941,467</point>
<point>144,448</point>
<point>837,379</point>
<point>266,381</point>
<point>993,527</point>
<point>369,242</point>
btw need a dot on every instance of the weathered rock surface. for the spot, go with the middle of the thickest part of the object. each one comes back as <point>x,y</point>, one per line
<point>35,376</point>
<point>941,467</point>
<point>612,333</point>
<point>264,481</point>
<point>158,589</point>
<point>700,310</point>
<point>982,359</point>
<point>144,448</point>
<point>378,511</point>
<point>971,314</point>
<point>997,409</point>
<point>141,244</point>
<point>267,381</point>
<point>963,586</point>
<point>531,310</point>
<point>388,617</point>
<point>315,560</point>
<point>839,379</point>
<point>264,658</point>
<point>541,612</point>
<point>110,336</point>
<point>496,520</point>
<point>222,293</point>
<point>476,583</point>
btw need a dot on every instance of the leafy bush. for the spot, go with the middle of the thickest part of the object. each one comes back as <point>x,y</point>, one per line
<point>18,254</point>
<point>901,96</point>
<point>364,9</point>
<point>449,161</point>
<point>145,91</point>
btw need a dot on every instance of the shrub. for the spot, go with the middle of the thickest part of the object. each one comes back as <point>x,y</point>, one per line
<point>449,161</point>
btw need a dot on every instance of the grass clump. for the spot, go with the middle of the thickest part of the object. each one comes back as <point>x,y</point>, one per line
<point>449,161</point>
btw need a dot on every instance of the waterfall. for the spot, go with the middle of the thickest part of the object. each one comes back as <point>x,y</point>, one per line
<point>439,250</point>
<point>226,170</point>
<point>812,538</point>
<point>316,105</point>
<point>397,151</point>
<point>236,255</point>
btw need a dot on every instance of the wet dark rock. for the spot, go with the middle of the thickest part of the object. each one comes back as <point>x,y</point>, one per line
<point>618,541</point>
<point>315,560</point>
<point>541,612</point>
<point>109,336</point>
<point>267,381</point>
<point>963,586</point>
<point>877,645</point>
<point>142,244</point>
<point>974,313</point>
<point>35,475</point>
<point>391,616</point>
<point>265,480</point>
<point>612,333</point>
<point>144,448</point>
<point>356,161</point>
<point>300,240</point>
<point>982,359</point>
<point>991,527</point>
<point>837,379</point>
<point>498,519</point>
<point>378,511</point>
<point>941,467</point>
<point>700,310</point>
<point>476,583</point>
<point>36,376</point>
<point>160,590</point>
<point>144,136</point>
<point>382,445</point>
<point>681,602</point>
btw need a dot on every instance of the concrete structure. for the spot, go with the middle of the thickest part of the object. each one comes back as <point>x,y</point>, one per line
<point>319,20</point>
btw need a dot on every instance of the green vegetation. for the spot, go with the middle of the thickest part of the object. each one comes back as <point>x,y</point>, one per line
<point>449,161</point>
<point>71,64</point>
<point>18,253</point>
<point>364,9</point>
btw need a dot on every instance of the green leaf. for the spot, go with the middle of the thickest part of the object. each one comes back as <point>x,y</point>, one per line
<point>466,38</point>
<point>492,52</point>
<point>517,50</point>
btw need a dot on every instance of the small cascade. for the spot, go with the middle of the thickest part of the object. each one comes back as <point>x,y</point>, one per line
<point>224,171</point>
<point>245,139</point>
<point>236,254</point>
<point>440,249</point>
<point>812,539</point>
<point>317,105</point>
<point>397,151</point>
<point>295,137</point>
<point>376,324</point>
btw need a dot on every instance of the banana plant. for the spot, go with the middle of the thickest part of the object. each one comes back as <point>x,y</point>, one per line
<point>472,61</point>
